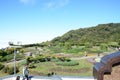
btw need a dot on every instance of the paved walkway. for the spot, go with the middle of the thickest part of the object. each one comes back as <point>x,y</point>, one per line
<point>55,77</point>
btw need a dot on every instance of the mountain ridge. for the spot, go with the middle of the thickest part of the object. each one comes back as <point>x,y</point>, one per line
<point>102,33</point>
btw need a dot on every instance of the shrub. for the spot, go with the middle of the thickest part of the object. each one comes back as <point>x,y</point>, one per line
<point>5,69</point>
<point>0,58</point>
<point>41,58</point>
<point>70,63</point>
<point>36,60</point>
<point>24,62</point>
<point>3,59</point>
<point>82,53</point>
<point>30,59</point>
<point>67,59</point>
<point>50,74</point>
<point>103,47</point>
<point>31,65</point>
<point>7,58</point>
<point>92,50</point>
<point>19,56</point>
<point>55,60</point>
<point>48,58</point>
<point>10,70</point>
<point>1,66</point>
<point>61,58</point>
<point>76,50</point>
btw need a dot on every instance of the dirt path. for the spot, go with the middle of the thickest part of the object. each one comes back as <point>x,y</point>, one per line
<point>12,62</point>
<point>84,57</point>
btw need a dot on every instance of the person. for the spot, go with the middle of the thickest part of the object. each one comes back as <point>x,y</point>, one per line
<point>85,54</point>
<point>18,78</point>
<point>25,72</point>
<point>98,54</point>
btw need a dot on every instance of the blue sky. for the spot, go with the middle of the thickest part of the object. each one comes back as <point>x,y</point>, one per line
<point>34,21</point>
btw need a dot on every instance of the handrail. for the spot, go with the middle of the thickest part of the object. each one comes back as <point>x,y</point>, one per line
<point>105,65</point>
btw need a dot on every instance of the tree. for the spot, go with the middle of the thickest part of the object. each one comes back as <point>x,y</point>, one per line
<point>113,44</point>
<point>68,45</point>
<point>104,47</point>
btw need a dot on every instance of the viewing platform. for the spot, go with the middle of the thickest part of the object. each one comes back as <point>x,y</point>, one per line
<point>54,77</point>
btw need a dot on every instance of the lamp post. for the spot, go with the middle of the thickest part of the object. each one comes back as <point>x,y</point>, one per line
<point>15,51</point>
<point>14,61</point>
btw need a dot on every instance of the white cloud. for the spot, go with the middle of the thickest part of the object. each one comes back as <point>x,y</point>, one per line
<point>63,2</point>
<point>56,3</point>
<point>50,4</point>
<point>27,1</point>
<point>47,3</point>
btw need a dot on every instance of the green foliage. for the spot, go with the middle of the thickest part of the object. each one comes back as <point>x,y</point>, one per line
<point>41,58</point>
<point>56,49</point>
<point>55,60</point>
<point>70,63</point>
<point>6,68</point>
<point>75,50</point>
<point>60,59</point>
<point>24,62</point>
<point>50,74</point>
<point>10,50</point>
<point>87,45</point>
<point>7,57</point>
<point>92,50</point>
<point>10,70</point>
<point>1,66</point>
<point>11,56</point>
<point>48,58</point>
<point>31,65</point>
<point>67,59</point>
<point>104,47</point>
<point>3,53</point>
<point>22,50</point>
<point>68,46</point>
<point>102,33</point>
<point>30,59</point>
<point>19,56</point>
<point>81,54</point>
<point>0,58</point>
<point>113,44</point>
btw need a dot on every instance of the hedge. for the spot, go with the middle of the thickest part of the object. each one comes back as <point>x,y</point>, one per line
<point>70,63</point>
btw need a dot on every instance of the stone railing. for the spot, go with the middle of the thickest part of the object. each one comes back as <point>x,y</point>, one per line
<point>103,70</point>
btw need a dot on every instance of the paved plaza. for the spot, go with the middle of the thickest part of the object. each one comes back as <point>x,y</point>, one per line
<point>48,78</point>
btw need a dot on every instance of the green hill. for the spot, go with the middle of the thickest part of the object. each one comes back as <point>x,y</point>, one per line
<point>102,33</point>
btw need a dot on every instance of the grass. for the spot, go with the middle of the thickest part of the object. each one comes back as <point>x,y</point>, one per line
<point>2,73</point>
<point>42,69</point>
<point>83,69</point>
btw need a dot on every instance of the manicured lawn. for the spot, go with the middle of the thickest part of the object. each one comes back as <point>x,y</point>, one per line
<point>2,74</point>
<point>83,69</point>
<point>44,68</point>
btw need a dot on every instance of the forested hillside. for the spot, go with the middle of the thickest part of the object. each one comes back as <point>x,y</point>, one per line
<point>102,33</point>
